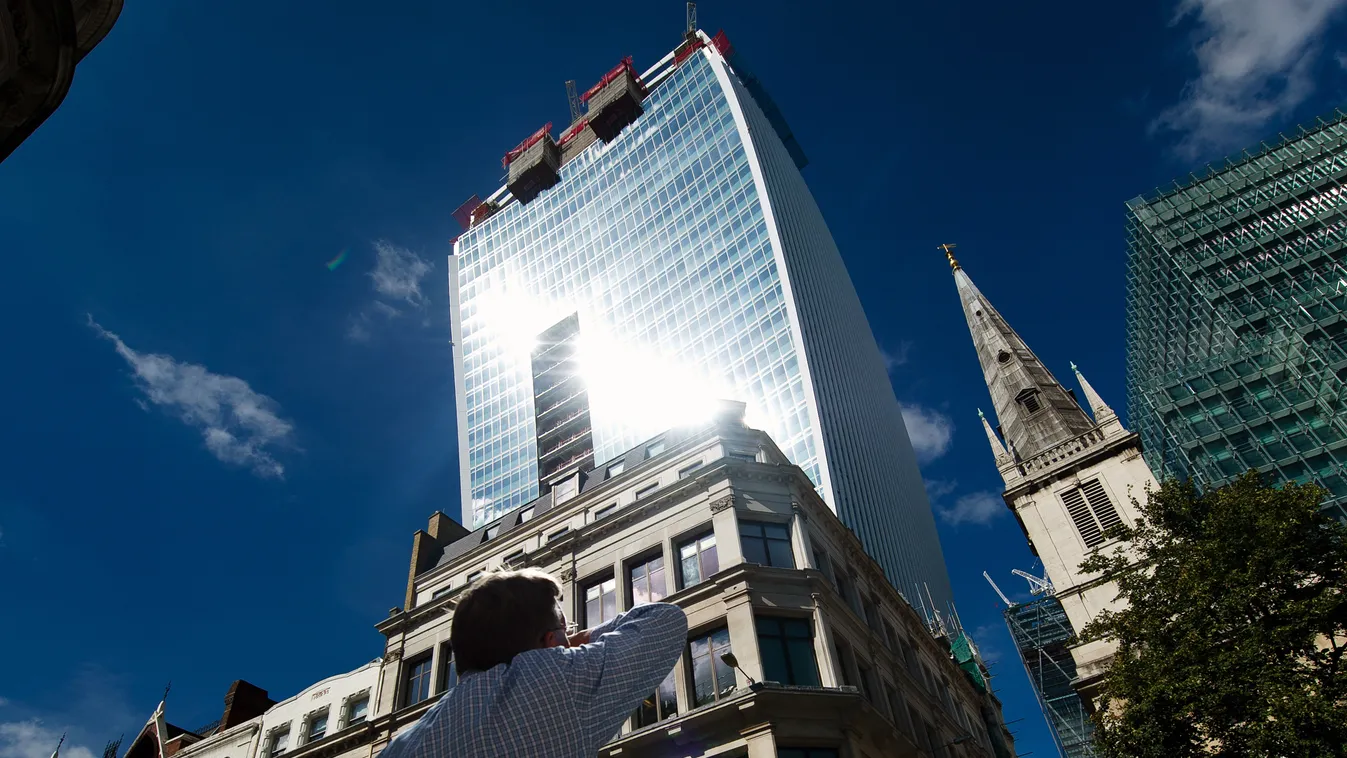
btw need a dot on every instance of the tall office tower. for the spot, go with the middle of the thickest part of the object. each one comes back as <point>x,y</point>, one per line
<point>668,238</point>
<point>1236,341</point>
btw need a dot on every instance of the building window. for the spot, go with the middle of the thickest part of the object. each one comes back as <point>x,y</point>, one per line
<point>558,534</point>
<point>871,608</point>
<point>806,752</point>
<point>842,581</point>
<point>766,544</point>
<point>600,602</point>
<point>712,678</point>
<point>280,742</point>
<point>661,704</point>
<point>441,592</point>
<point>844,662</point>
<point>448,670</point>
<point>616,469</point>
<point>1030,400</point>
<point>491,532</point>
<point>417,677</point>
<point>787,647</point>
<point>357,710</point>
<point>646,490</point>
<point>564,490</point>
<point>867,688</point>
<point>890,639</point>
<point>527,514</point>
<point>513,558</point>
<point>687,471</point>
<point>697,559</point>
<point>1091,510</point>
<point>605,511</point>
<point>654,449</point>
<point>742,455</point>
<point>317,727</point>
<point>474,576</point>
<point>896,709</point>
<point>647,581</point>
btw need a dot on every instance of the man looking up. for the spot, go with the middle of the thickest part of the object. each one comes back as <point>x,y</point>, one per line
<point>526,689</point>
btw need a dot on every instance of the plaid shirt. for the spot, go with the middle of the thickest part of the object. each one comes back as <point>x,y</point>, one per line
<point>553,702</point>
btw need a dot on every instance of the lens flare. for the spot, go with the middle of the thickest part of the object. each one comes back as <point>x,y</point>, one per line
<point>335,262</point>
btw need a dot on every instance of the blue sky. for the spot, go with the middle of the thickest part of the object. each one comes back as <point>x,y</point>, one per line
<point>215,449</point>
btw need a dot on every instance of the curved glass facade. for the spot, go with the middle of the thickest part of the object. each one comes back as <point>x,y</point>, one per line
<point>666,248</point>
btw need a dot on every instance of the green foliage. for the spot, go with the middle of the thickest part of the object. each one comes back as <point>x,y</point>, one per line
<point>1232,642</point>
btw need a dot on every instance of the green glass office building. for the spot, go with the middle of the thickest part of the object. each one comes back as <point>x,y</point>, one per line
<point>1236,334</point>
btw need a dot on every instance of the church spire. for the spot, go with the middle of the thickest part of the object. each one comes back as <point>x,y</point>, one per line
<point>1100,410</point>
<point>1034,410</point>
<point>998,449</point>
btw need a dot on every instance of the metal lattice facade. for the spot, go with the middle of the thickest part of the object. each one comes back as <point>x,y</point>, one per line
<point>1041,630</point>
<point>1236,336</point>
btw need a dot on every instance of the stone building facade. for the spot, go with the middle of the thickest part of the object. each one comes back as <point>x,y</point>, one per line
<point>719,522</point>
<point>40,43</point>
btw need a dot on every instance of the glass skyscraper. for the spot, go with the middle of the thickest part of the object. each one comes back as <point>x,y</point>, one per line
<point>1236,335</point>
<point>682,262</point>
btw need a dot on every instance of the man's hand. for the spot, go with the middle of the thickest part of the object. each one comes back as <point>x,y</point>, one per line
<point>579,638</point>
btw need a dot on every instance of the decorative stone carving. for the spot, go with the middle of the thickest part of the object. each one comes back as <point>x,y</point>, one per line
<point>567,574</point>
<point>393,655</point>
<point>723,503</point>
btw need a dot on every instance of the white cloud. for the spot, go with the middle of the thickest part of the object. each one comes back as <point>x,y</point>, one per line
<point>1255,63</point>
<point>32,739</point>
<point>239,426</point>
<point>897,356</point>
<point>930,431</point>
<point>398,273</point>
<point>979,508</point>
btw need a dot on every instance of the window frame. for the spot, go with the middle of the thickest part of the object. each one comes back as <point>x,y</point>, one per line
<point>604,512</point>
<point>766,541</point>
<point>275,737</point>
<point>310,720</point>
<point>783,638</point>
<point>413,676</point>
<point>655,449</point>
<point>614,470</point>
<point>716,664</point>
<point>646,491</point>
<point>446,678</point>
<point>597,580</point>
<point>696,541</point>
<point>350,717</point>
<point>643,562</point>
<point>689,470</point>
<point>658,703</point>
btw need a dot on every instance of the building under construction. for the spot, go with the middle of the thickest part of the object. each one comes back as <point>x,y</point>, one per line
<point>1236,336</point>
<point>1042,632</point>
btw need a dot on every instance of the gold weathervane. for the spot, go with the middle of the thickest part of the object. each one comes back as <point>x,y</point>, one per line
<point>948,247</point>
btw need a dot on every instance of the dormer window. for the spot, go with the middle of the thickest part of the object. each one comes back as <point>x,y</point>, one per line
<point>1030,400</point>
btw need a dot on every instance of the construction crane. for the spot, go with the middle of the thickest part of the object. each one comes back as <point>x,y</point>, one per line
<point>692,18</point>
<point>574,100</point>
<point>999,593</point>
<point>1037,585</point>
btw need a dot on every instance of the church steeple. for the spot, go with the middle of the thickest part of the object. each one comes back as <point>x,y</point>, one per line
<point>1035,411</point>
<point>1097,405</point>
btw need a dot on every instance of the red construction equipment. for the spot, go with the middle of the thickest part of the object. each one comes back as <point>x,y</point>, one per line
<point>526,144</point>
<point>615,101</point>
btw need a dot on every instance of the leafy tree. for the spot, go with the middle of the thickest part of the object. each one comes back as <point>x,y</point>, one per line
<point>1233,639</point>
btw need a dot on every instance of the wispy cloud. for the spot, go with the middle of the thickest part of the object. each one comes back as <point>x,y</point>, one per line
<point>977,508</point>
<point>239,426</point>
<point>397,278</point>
<point>3,702</point>
<point>930,430</point>
<point>1255,63</point>
<point>34,739</point>
<point>896,356</point>
<point>398,273</point>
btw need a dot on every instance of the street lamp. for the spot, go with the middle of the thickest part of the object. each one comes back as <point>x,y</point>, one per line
<point>733,663</point>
